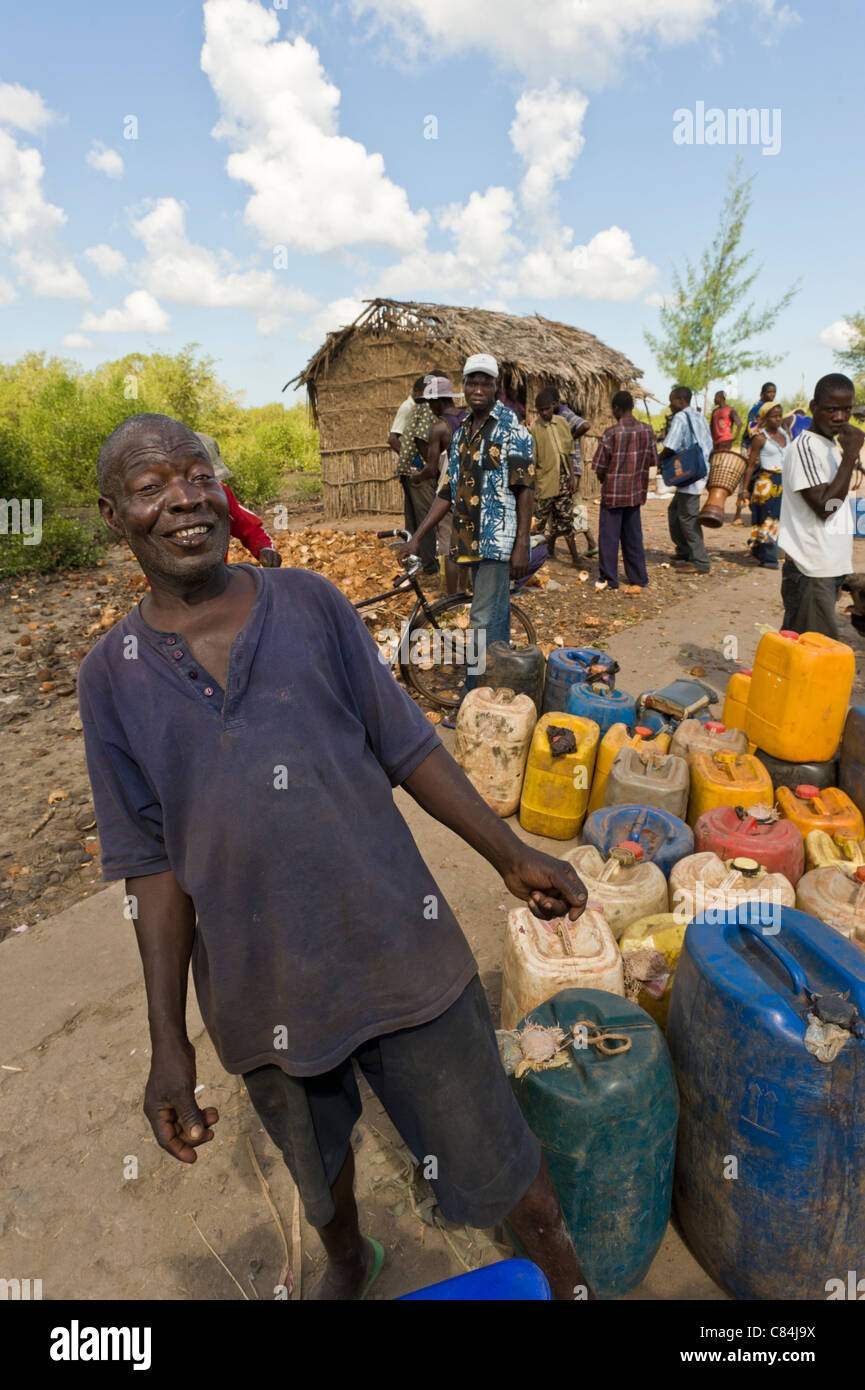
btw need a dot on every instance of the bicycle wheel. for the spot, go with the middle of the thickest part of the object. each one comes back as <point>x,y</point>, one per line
<point>440,648</point>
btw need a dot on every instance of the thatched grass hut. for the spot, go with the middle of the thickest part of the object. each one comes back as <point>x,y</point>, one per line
<point>362,372</point>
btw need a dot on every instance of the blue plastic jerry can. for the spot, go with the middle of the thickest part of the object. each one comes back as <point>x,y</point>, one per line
<point>607,707</point>
<point>770,1166</point>
<point>567,665</point>
<point>505,1280</point>
<point>665,839</point>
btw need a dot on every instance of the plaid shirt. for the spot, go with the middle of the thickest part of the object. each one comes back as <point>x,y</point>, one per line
<point>624,456</point>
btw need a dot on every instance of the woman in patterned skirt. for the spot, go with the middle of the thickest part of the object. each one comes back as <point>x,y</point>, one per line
<point>763,478</point>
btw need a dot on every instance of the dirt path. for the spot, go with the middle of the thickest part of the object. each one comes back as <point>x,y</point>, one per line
<point>92,1206</point>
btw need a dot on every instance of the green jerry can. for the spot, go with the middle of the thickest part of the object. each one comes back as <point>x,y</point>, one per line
<point>607,1126</point>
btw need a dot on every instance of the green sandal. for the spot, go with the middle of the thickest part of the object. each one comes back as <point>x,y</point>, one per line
<point>378,1261</point>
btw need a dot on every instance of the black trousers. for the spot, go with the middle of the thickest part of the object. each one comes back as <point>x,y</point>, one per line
<point>615,525</point>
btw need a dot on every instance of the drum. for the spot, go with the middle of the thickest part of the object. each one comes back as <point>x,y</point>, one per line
<point>726,468</point>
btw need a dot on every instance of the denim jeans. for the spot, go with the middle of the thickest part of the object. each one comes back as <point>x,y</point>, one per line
<point>491,607</point>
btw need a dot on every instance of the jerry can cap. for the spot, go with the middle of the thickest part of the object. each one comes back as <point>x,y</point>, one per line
<point>749,867</point>
<point>806,790</point>
<point>745,671</point>
<point>633,847</point>
<point>643,730</point>
<point>859,873</point>
<point>789,634</point>
<point>715,726</point>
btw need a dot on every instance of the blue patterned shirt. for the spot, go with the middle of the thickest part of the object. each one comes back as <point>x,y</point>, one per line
<point>484,468</point>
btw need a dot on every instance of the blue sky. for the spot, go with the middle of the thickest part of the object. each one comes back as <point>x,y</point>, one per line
<point>281,170</point>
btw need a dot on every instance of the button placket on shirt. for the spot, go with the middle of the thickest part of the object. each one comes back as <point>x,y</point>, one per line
<point>186,667</point>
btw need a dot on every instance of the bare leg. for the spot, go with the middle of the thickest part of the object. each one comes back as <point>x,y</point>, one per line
<point>571,543</point>
<point>550,542</point>
<point>349,1256</point>
<point>538,1223</point>
<point>591,543</point>
<point>452,576</point>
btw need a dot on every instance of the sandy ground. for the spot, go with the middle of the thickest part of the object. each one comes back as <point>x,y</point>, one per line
<point>92,1206</point>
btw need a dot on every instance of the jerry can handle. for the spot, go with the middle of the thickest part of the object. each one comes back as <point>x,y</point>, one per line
<point>725,761</point>
<point>792,966</point>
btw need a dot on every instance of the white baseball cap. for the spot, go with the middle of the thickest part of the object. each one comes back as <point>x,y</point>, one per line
<point>481,362</point>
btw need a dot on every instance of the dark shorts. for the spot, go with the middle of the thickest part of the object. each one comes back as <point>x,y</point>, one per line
<point>444,1088</point>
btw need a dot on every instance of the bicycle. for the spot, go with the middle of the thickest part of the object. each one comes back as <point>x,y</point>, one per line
<point>436,675</point>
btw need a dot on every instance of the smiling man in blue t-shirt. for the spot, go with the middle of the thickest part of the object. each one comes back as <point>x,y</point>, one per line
<point>243,739</point>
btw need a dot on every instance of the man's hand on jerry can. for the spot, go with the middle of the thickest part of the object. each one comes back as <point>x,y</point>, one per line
<point>551,887</point>
<point>270,558</point>
<point>170,1105</point>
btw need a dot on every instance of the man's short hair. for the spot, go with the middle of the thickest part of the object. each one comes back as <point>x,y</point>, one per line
<point>419,385</point>
<point>548,395</point>
<point>833,381</point>
<point>623,400</point>
<point>114,449</point>
<point>766,385</point>
<point>683,391</point>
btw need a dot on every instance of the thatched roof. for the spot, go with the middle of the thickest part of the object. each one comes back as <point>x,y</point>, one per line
<point>524,346</point>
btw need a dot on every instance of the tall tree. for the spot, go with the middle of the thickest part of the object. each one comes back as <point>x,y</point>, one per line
<point>707,324</point>
<point>852,358</point>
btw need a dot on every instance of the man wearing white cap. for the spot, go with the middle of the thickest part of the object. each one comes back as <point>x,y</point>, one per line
<point>490,488</point>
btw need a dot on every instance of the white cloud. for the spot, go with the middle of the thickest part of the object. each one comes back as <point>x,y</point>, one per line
<point>179,270</point>
<point>7,291</point>
<point>106,259</point>
<point>50,274</point>
<point>655,300</point>
<point>23,109</point>
<point>552,38</point>
<point>330,317</point>
<point>313,189</point>
<point>839,335</point>
<point>29,223</point>
<point>140,314</point>
<point>482,227</point>
<point>605,268</point>
<point>481,231</point>
<point>546,134</point>
<point>106,160</point>
<point>77,340</point>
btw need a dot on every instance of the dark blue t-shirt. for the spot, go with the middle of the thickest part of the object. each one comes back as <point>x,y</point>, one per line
<point>319,925</point>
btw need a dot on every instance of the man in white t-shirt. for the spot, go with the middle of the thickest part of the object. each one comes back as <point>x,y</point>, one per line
<point>816,527</point>
<point>687,427</point>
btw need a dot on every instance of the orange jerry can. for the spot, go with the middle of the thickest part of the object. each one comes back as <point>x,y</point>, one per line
<point>727,779</point>
<point>821,808</point>
<point>736,699</point>
<point>798,698</point>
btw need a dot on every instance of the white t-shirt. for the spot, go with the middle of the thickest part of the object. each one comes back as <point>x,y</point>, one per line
<point>687,427</point>
<point>401,419</point>
<point>821,549</point>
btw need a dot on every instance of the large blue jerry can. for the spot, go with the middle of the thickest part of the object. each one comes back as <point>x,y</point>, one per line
<point>664,837</point>
<point>607,1126</point>
<point>770,1168</point>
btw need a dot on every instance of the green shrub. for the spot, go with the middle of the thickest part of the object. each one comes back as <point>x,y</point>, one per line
<point>64,544</point>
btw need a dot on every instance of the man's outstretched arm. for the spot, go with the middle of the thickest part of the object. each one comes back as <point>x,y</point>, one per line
<point>549,886</point>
